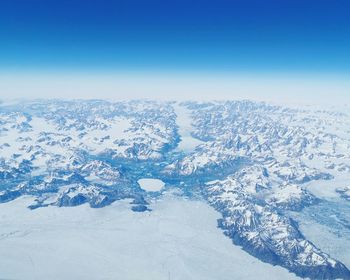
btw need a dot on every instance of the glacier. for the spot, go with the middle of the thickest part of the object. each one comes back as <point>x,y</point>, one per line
<point>266,170</point>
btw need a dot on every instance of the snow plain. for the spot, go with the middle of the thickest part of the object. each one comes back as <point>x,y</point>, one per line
<point>177,240</point>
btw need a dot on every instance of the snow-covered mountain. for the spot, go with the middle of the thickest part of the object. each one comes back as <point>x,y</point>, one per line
<point>253,163</point>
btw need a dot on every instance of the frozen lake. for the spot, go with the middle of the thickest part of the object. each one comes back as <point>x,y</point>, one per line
<point>177,240</point>
<point>151,185</point>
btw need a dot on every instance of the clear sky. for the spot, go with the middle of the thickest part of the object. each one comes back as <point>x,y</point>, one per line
<point>282,41</point>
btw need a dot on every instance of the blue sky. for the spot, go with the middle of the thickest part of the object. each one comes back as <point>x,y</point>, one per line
<point>308,38</point>
<point>224,35</point>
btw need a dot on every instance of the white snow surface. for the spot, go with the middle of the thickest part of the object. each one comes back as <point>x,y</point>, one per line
<point>151,185</point>
<point>184,122</point>
<point>177,240</point>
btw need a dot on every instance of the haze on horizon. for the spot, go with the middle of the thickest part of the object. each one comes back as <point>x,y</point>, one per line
<point>160,86</point>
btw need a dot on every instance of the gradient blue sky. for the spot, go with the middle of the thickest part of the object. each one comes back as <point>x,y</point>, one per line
<point>244,38</point>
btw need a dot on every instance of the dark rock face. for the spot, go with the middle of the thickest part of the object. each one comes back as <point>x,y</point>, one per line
<point>139,208</point>
<point>9,195</point>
